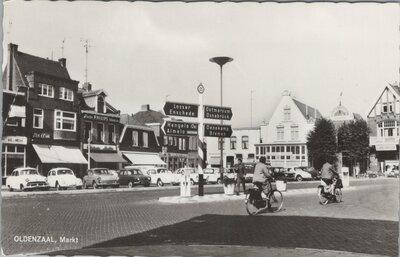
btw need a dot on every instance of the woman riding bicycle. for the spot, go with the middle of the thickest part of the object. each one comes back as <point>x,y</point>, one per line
<point>327,174</point>
<point>262,177</point>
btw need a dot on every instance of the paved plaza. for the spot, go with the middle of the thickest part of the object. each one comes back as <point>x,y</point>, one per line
<point>137,223</point>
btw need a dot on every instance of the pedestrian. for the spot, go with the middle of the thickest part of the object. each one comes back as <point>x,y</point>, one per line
<point>240,176</point>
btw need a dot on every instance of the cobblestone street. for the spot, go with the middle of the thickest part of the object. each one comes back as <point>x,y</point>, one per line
<point>365,222</point>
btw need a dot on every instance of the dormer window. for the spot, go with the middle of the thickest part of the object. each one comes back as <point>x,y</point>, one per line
<point>66,94</point>
<point>286,114</point>
<point>101,106</point>
<point>387,107</point>
<point>46,90</point>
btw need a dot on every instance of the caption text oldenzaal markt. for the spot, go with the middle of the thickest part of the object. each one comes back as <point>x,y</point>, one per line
<point>46,239</point>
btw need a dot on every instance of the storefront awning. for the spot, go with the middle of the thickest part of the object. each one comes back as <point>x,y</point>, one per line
<point>17,111</point>
<point>144,159</point>
<point>106,157</point>
<point>214,160</point>
<point>59,154</point>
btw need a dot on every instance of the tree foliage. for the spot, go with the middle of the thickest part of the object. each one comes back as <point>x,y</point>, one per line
<point>353,140</point>
<point>321,143</point>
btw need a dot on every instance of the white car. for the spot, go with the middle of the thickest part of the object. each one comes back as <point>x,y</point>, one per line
<point>26,179</point>
<point>212,175</point>
<point>300,173</point>
<point>63,178</point>
<point>193,173</point>
<point>158,175</point>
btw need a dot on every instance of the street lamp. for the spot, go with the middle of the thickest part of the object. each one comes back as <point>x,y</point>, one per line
<point>221,60</point>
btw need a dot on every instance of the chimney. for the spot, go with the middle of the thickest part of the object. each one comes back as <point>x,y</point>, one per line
<point>87,87</point>
<point>12,50</point>
<point>146,107</point>
<point>63,62</point>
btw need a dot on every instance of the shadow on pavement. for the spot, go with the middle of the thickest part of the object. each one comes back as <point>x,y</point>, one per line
<point>360,236</point>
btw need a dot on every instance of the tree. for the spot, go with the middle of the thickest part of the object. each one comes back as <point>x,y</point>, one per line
<point>353,141</point>
<point>321,143</point>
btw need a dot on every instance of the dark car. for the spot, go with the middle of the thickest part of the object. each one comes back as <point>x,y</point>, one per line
<point>280,173</point>
<point>316,174</point>
<point>133,177</point>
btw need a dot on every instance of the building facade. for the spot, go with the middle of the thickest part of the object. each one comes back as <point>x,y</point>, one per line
<point>284,138</point>
<point>384,124</point>
<point>241,145</point>
<point>43,118</point>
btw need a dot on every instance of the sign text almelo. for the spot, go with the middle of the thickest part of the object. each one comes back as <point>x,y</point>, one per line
<point>180,128</point>
<point>181,109</point>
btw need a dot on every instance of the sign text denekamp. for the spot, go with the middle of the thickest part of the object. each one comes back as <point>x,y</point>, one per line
<point>217,113</point>
<point>180,128</point>
<point>216,130</point>
<point>181,109</point>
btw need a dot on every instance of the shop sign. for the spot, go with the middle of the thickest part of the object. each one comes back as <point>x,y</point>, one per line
<point>100,147</point>
<point>100,118</point>
<point>41,135</point>
<point>17,140</point>
<point>385,147</point>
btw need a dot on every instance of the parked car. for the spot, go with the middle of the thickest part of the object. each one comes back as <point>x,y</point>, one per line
<point>63,178</point>
<point>159,176</point>
<point>315,174</point>
<point>132,176</point>
<point>282,173</point>
<point>372,174</point>
<point>212,175</point>
<point>100,177</point>
<point>194,175</point>
<point>300,173</point>
<point>26,179</point>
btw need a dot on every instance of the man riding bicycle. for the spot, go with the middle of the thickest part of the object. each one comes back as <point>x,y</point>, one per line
<point>262,178</point>
<point>327,174</point>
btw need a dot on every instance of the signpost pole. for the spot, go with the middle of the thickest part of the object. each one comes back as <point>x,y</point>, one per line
<point>200,142</point>
<point>89,146</point>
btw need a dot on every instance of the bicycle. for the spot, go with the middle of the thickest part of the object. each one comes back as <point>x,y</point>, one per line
<point>326,197</point>
<point>256,201</point>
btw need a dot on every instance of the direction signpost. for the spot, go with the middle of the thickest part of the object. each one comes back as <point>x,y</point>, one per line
<point>181,109</point>
<point>180,128</point>
<point>217,112</point>
<point>217,130</point>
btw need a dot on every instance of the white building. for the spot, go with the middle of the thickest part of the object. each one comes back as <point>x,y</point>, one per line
<point>284,138</point>
<point>383,121</point>
<point>240,145</point>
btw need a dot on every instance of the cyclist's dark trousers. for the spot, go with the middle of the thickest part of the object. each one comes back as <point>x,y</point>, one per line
<point>243,181</point>
<point>327,181</point>
<point>265,186</point>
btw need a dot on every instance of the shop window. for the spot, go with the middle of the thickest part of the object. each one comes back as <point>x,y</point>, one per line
<point>38,118</point>
<point>100,132</point>
<point>165,140</point>
<point>111,133</point>
<point>88,128</point>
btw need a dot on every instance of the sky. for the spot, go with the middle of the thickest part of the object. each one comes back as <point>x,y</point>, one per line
<point>144,53</point>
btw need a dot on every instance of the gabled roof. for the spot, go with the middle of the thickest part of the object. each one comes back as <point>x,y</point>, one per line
<point>395,88</point>
<point>392,88</point>
<point>94,92</point>
<point>145,117</point>
<point>28,63</point>
<point>307,110</point>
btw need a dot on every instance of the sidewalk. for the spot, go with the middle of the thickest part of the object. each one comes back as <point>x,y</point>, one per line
<point>208,250</point>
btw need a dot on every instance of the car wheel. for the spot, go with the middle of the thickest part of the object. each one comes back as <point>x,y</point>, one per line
<point>85,185</point>
<point>160,183</point>
<point>95,186</point>
<point>130,184</point>
<point>58,187</point>
<point>219,181</point>
<point>299,178</point>
<point>10,188</point>
<point>22,188</point>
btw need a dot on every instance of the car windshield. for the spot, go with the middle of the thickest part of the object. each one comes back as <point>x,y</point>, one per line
<point>65,172</point>
<point>28,172</point>
<point>134,172</point>
<point>162,170</point>
<point>102,172</point>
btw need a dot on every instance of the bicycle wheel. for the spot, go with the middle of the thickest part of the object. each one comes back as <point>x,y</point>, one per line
<point>321,196</point>
<point>338,195</point>
<point>276,200</point>
<point>250,207</point>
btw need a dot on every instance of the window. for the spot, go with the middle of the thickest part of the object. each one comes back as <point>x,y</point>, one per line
<point>233,143</point>
<point>257,150</point>
<point>38,118</point>
<point>65,120</point>
<point>278,149</point>
<point>294,132</point>
<point>282,149</point>
<point>273,149</point>
<point>250,156</point>
<point>145,139</point>
<point>303,150</point>
<point>12,122</point>
<point>101,104</point>
<point>263,150</point>
<point>165,140</point>
<point>100,132</point>
<point>286,114</point>
<point>111,133</point>
<point>245,142</point>
<point>180,144</point>
<point>387,107</point>
<point>388,128</point>
<point>171,141</point>
<point>297,149</point>
<point>184,144</point>
<point>267,149</point>
<point>46,90</point>
<point>280,133</point>
<point>135,138</point>
<point>88,128</point>
<point>66,94</point>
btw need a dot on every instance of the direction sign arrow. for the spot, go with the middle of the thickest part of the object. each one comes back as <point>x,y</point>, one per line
<point>216,130</point>
<point>217,112</point>
<point>181,109</point>
<point>180,128</point>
